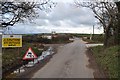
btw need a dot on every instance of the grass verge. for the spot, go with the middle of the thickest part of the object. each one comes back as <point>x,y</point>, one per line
<point>108,59</point>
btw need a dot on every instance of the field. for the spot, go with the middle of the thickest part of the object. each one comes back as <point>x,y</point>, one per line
<point>96,38</point>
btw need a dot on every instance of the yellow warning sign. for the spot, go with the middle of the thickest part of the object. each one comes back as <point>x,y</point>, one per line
<point>14,41</point>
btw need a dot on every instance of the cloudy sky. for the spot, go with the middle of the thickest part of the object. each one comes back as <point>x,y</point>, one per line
<point>64,18</point>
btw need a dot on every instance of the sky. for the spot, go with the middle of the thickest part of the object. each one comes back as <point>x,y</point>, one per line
<point>64,18</point>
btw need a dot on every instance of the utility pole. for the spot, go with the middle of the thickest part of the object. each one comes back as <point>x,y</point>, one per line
<point>93,29</point>
<point>92,34</point>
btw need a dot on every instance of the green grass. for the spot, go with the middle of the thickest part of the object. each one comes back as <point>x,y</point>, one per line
<point>97,38</point>
<point>108,59</point>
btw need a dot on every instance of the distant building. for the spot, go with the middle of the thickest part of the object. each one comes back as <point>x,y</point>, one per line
<point>47,36</point>
<point>71,39</point>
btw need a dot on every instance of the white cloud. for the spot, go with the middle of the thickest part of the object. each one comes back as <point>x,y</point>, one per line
<point>63,18</point>
<point>64,1</point>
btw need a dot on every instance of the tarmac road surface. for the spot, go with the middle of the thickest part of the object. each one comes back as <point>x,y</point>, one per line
<point>69,62</point>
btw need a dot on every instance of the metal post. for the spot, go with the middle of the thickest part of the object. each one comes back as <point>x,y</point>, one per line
<point>18,58</point>
<point>93,32</point>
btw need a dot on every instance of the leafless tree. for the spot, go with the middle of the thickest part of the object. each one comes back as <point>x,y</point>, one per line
<point>13,12</point>
<point>106,13</point>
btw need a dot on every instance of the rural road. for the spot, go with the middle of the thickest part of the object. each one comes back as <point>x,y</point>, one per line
<point>70,62</point>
